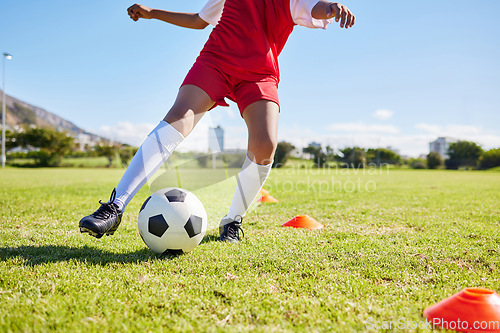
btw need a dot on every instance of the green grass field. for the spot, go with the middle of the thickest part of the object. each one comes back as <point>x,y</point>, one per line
<point>394,243</point>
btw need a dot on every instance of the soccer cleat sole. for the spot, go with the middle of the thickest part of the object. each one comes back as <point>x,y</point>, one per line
<point>229,240</point>
<point>95,234</point>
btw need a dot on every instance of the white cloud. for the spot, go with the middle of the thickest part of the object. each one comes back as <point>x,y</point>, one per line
<point>125,132</point>
<point>134,134</point>
<point>230,113</point>
<point>235,137</point>
<point>363,128</point>
<point>433,129</point>
<point>383,114</point>
<point>452,130</point>
<point>219,115</point>
<point>462,129</point>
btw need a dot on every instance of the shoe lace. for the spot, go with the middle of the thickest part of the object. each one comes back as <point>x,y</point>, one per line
<point>234,228</point>
<point>107,208</point>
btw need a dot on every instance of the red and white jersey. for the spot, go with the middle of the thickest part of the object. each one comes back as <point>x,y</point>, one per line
<point>250,34</point>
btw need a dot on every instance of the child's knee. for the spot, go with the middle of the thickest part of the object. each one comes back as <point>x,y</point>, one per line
<point>263,150</point>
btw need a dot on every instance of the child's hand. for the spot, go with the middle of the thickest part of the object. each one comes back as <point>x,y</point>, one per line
<point>342,14</point>
<point>139,11</point>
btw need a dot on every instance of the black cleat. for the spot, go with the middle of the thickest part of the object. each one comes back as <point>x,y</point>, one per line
<point>230,232</point>
<point>105,220</point>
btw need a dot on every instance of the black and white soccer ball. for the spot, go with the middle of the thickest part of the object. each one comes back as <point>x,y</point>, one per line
<point>172,220</point>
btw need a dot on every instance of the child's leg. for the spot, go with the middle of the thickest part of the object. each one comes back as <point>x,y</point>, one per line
<point>262,122</point>
<point>190,105</point>
<point>261,118</point>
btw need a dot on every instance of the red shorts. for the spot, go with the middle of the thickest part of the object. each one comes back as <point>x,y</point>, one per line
<point>219,85</point>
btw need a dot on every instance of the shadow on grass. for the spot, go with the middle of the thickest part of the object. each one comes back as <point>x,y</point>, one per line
<point>210,238</point>
<point>39,255</point>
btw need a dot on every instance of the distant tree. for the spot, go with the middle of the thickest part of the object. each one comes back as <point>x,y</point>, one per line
<point>318,156</point>
<point>463,154</point>
<point>330,153</point>
<point>107,150</point>
<point>490,159</point>
<point>312,150</point>
<point>233,160</point>
<point>418,163</point>
<point>11,140</point>
<point>282,154</point>
<point>90,151</point>
<point>434,160</point>
<point>329,150</point>
<point>354,157</point>
<point>381,156</point>
<point>77,148</point>
<point>126,153</point>
<point>53,145</point>
<point>203,160</point>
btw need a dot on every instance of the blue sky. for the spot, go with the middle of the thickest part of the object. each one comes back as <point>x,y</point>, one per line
<point>407,72</point>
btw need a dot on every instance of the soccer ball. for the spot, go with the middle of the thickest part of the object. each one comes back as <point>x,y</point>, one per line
<point>172,220</point>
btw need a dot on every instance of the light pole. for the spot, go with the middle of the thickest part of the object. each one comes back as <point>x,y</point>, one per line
<point>6,56</point>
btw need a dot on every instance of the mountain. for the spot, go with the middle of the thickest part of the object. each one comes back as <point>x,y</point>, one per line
<point>20,113</point>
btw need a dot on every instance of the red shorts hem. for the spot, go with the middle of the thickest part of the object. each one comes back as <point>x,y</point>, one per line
<point>219,85</point>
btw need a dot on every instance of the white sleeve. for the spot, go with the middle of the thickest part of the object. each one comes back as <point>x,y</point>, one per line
<point>301,14</point>
<point>212,11</point>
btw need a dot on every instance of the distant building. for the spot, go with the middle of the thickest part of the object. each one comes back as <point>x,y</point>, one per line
<point>83,140</point>
<point>86,140</point>
<point>215,139</point>
<point>299,153</point>
<point>22,150</point>
<point>441,146</point>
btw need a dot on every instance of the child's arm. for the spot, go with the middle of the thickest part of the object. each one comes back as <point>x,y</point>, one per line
<point>326,10</point>
<point>186,20</point>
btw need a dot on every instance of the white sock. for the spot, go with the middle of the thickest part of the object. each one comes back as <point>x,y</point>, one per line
<point>249,182</point>
<point>154,151</point>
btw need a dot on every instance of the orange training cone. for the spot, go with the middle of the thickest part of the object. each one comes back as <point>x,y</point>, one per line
<point>471,310</point>
<point>268,198</point>
<point>303,221</point>
<point>263,191</point>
